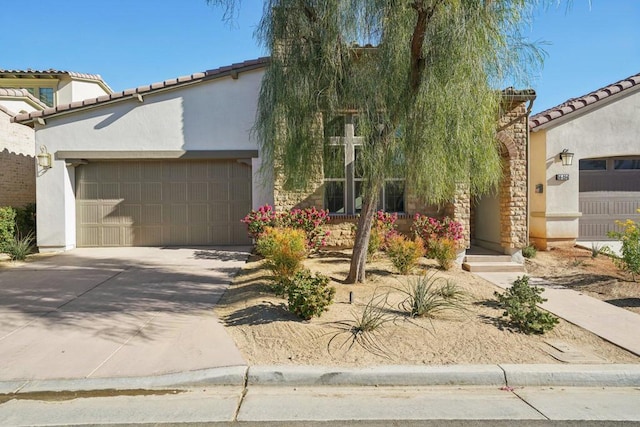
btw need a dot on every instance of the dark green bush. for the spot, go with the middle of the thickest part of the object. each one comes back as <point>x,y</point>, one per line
<point>529,251</point>
<point>26,220</point>
<point>7,226</point>
<point>308,295</point>
<point>520,305</point>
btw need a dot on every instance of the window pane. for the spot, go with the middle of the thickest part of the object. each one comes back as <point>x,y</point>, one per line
<point>46,95</point>
<point>357,202</point>
<point>31,90</point>
<point>394,196</point>
<point>593,165</point>
<point>334,196</point>
<point>333,161</point>
<point>626,164</point>
<point>334,127</point>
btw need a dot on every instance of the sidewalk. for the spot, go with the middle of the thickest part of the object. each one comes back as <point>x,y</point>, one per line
<point>298,395</point>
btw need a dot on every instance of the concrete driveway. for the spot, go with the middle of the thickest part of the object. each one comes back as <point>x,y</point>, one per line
<point>116,312</point>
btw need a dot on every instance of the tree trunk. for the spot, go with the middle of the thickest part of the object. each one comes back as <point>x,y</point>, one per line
<point>359,255</point>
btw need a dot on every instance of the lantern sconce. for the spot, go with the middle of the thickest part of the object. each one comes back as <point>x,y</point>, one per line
<point>44,158</point>
<point>566,157</point>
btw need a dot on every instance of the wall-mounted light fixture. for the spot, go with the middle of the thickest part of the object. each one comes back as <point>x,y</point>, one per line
<point>44,158</point>
<point>566,157</point>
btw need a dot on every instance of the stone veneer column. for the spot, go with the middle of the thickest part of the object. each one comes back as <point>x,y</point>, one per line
<point>513,188</point>
<point>460,210</point>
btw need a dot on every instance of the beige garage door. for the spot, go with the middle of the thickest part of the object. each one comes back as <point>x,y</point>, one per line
<point>162,203</point>
<point>609,192</point>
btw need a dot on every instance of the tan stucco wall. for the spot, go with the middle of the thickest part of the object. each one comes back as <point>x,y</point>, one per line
<point>611,128</point>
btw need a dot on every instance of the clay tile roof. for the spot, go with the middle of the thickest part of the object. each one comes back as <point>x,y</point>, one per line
<point>576,104</point>
<point>21,93</point>
<point>50,71</point>
<point>143,90</point>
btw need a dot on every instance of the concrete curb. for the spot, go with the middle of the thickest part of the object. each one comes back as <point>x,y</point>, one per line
<point>225,376</point>
<point>390,375</point>
<point>572,375</point>
<point>486,375</point>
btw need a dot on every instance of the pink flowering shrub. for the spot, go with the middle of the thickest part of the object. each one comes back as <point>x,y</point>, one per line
<point>383,228</point>
<point>434,230</point>
<point>309,220</point>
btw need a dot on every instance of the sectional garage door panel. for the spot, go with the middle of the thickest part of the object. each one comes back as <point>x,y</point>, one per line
<point>600,211</point>
<point>162,203</point>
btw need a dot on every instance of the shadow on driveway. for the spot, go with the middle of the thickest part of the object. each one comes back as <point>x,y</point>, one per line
<point>96,302</point>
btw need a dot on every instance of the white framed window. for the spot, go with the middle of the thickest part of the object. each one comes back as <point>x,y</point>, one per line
<point>344,171</point>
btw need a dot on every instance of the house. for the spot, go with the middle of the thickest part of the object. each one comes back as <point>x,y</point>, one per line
<point>176,163</point>
<point>25,91</point>
<point>582,199</point>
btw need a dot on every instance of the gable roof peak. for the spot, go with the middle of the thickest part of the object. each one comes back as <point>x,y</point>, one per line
<point>574,104</point>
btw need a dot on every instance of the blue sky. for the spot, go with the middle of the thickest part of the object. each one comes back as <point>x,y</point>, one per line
<point>137,42</point>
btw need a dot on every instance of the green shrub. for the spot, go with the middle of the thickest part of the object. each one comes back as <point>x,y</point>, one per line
<point>7,226</point>
<point>376,239</point>
<point>284,249</point>
<point>308,295</point>
<point>443,251</point>
<point>19,247</point>
<point>404,254</point>
<point>520,305</point>
<point>365,325</point>
<point>428,295</point>
<point>630,238</point>
<point>529,251</point>
<point>26,220</point>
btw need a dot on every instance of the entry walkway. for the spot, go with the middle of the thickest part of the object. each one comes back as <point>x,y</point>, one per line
<point>614,324</point>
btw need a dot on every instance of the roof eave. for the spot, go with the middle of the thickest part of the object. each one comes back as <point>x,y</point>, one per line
<point>229,71</point>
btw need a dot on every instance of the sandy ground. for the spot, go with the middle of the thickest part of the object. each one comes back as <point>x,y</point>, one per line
<point>597,276</point>
<point>267,333</point>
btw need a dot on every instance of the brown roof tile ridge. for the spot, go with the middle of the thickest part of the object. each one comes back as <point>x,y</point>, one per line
<point>218,72</point>
<point>85,76</point>
<point>258,62</point>
<point>574,104</point>
<point>21,93</point>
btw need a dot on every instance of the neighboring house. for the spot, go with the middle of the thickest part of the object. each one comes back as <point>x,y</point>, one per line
<point>582,201</point>
<point>176,163</point>
<point>25,91</point>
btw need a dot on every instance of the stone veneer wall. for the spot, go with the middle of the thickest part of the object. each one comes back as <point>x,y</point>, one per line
<point>17,163</point>
<point>513,194</point>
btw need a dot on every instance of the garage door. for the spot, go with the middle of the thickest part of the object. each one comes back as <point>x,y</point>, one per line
<point>162,203</point>
<point>609,191</point>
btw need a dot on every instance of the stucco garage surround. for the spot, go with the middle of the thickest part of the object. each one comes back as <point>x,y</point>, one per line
<point>568,210</point>
<point>165,141</point>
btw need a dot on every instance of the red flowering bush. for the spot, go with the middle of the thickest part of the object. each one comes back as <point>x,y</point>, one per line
<point>309,220</point>
<point>433,231</point>
<point>383,228</point>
